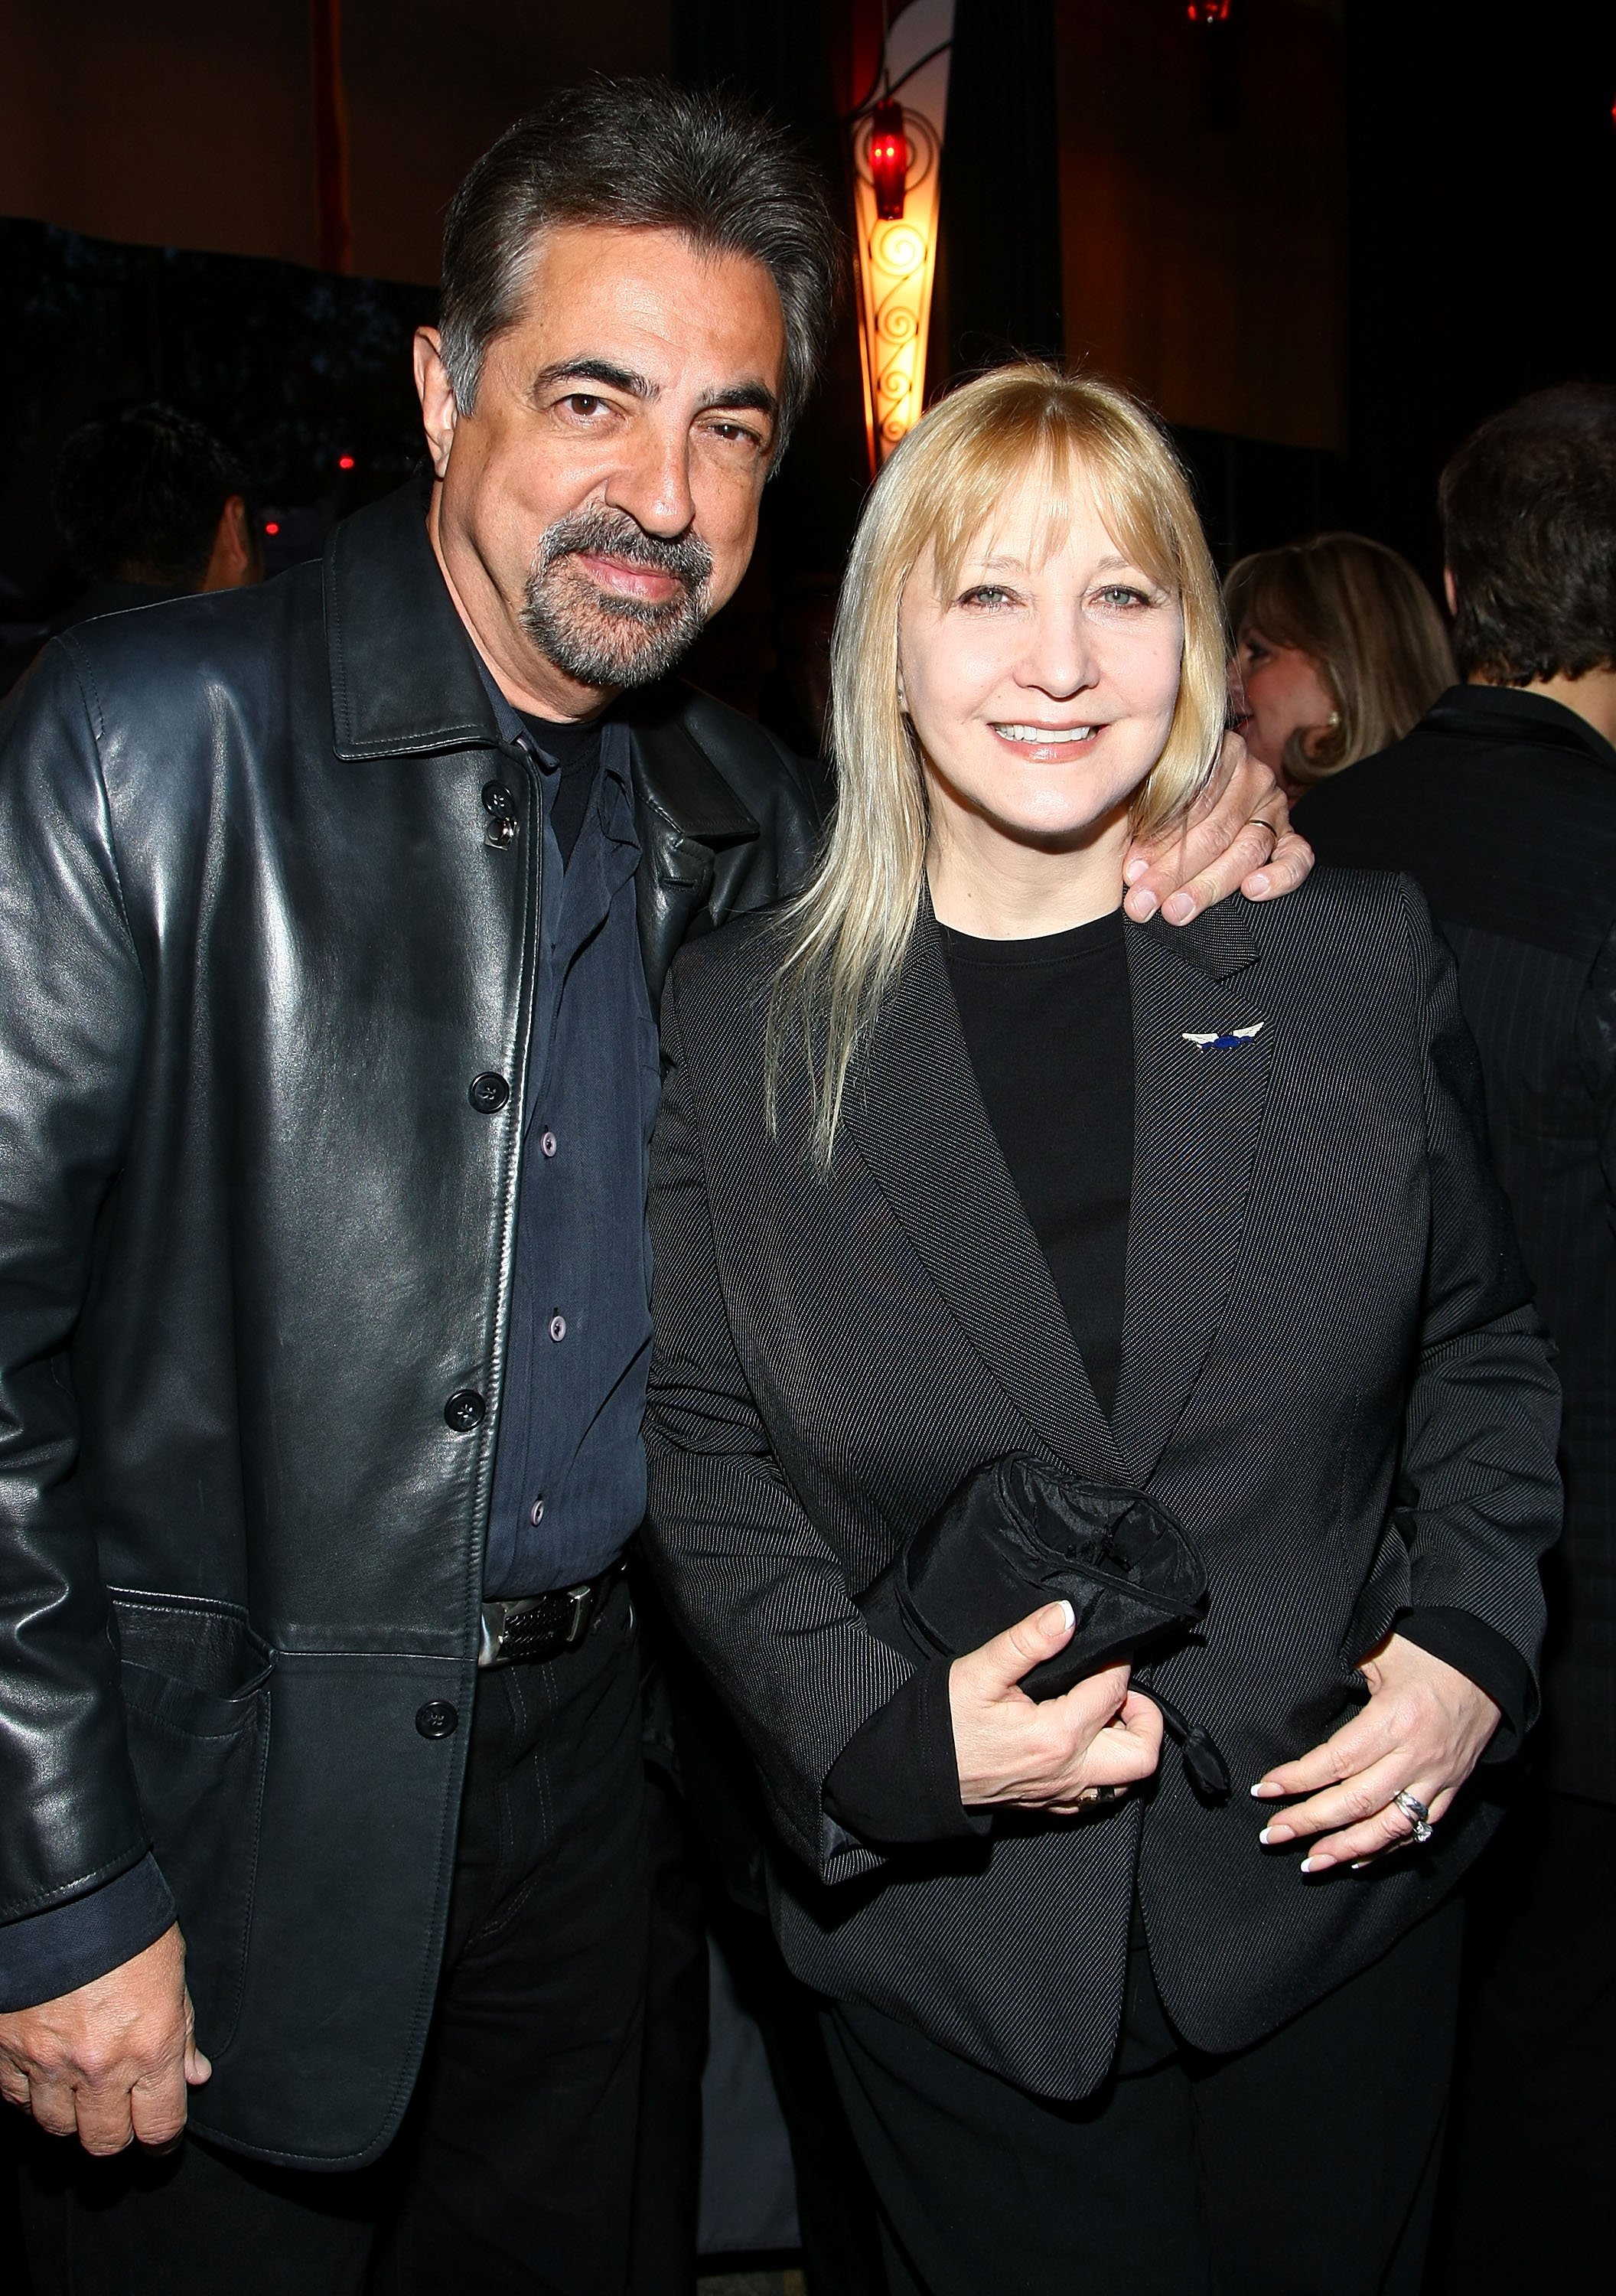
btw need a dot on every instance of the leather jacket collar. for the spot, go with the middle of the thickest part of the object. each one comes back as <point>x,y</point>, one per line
<point>406,681</point>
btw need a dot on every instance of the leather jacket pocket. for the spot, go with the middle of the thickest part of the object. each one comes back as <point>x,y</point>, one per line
<point>1384,1596</point>
<point>196,1695</point>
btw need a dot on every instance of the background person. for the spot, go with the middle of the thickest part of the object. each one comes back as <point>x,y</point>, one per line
<point>1058,2022</point>
<point>150,506</point>
<point>1502,802</point>
<point>1339,649</point>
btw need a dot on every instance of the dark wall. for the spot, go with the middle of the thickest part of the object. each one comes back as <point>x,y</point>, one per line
<point>294,369</point>
<point>1482,215</point>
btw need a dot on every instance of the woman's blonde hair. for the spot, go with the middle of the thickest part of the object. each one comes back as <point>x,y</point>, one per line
<point>1368,623</point>
<point>846,934</point>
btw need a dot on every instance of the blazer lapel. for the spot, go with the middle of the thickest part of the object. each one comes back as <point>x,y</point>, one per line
<point>1200,1090</point>
<point>915,1113</point>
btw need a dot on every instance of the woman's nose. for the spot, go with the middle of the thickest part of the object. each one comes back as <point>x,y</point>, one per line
<point>1061,661</point>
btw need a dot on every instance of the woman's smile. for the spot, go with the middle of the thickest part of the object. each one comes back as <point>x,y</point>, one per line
<point>1047,744</point>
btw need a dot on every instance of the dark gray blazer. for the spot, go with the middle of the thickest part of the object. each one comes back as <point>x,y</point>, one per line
<point>1322,1290</point>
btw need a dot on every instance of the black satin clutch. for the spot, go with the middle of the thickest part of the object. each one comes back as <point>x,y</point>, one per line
<point>1019,1533</point>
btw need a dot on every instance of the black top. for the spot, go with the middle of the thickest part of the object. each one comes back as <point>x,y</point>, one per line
<point>1048,1026</point>
<point>1049,1029</point>
<point>575,752</point>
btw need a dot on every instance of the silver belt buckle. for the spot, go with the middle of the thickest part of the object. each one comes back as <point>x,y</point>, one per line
<point>498,1618</point>
<point>577,1621</point>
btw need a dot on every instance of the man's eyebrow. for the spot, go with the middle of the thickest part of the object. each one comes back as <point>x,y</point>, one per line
<point>596,369</point>
<point>754,395</point>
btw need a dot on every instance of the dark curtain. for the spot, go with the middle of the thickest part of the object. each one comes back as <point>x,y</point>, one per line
<point>998,288</point>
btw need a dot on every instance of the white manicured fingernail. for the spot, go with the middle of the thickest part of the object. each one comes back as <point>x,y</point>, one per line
<point>1068,1615</point>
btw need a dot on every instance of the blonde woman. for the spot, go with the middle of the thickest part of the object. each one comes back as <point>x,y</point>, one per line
<point>1339,651</point>
<point>960,1175</point>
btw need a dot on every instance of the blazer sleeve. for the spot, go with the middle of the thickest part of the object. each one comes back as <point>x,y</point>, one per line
<point>754,1586</point>
<point>73,997</point>
<point>1482,1419</point>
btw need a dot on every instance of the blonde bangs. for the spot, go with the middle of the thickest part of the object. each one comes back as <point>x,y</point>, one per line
<point>847,933</point>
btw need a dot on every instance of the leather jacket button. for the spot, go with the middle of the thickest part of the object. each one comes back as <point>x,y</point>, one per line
<point>436,1719</point>
<point>498,797</point>
<point>464,1410</point>
<point>489,1094</point>
<point>502,830</point>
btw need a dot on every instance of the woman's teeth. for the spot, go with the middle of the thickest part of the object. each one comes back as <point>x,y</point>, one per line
<point>1045,735</point>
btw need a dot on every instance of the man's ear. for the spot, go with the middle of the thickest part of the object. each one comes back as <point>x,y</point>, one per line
<point>1450,590</point>
<point>438,412</point>
<point>235,559</point>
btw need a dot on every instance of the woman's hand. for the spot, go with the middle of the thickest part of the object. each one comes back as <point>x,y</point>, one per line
<point>1238,836</point>
<point>1422,1732</point>
<point>1059,1754</point>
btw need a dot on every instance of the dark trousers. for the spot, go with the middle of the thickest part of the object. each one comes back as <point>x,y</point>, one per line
<point>1529,2200</point>
<point>513,2173</point>
<point>1304,2166</point>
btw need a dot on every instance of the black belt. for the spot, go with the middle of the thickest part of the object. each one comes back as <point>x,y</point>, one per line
<point>542,1626</point>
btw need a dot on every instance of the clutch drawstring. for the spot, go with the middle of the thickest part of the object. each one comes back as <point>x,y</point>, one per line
<point>1203,1765</point>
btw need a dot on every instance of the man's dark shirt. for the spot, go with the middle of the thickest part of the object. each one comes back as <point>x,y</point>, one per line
<point>569,1471</point>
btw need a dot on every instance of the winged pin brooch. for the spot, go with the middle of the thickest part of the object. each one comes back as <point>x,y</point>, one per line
<point>1212,1042</point>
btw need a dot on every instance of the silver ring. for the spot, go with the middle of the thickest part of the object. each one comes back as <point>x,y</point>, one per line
<point>1415,1810</point>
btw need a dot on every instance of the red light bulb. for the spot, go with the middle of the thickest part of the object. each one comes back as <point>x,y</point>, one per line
<point>272,525</point>
<point>888,158</point>
<point>345,461</point>
<point>1208,12</point>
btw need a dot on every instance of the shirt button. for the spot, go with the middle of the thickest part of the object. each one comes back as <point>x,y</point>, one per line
<point>557,1329</point>
<point>489,1094</point>
<point>464,1410</point>
<point>547,1142</point>
<point>536,1513</point>
<point>436,1719</point>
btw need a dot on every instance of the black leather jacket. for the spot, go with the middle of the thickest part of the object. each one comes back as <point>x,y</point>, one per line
<point>259,928</point>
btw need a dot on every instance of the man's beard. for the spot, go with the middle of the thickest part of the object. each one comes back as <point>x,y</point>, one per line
<point>596,637</point>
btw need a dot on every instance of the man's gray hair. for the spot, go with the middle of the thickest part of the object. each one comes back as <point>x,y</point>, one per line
<point>640,153</point>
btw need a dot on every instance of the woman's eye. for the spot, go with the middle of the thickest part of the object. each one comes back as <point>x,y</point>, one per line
<point>1122,594</point>
<point>987,594</point>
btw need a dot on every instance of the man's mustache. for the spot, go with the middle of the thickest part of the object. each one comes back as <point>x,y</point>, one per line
<point>615,534</point>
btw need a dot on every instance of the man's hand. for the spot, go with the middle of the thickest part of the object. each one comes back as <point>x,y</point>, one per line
<point>1058,1754</point>
<point>1237,838</point>
<point>110,2062</point>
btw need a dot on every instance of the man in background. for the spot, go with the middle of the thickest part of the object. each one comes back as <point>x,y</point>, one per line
<point>1502,802</point>
<point>150,506</point>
